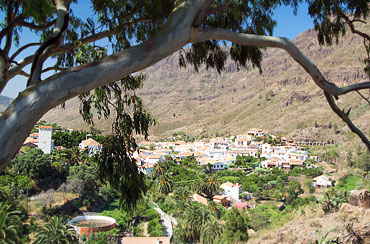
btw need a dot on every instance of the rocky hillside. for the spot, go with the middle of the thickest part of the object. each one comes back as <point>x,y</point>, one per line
<point>312,224</point>
<point>283,99</point>
<point>4,102</point>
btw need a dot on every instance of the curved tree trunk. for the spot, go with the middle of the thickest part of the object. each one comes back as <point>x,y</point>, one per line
<point>31,104</point>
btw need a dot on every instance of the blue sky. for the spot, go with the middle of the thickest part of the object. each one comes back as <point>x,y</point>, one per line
<point>288,26</point>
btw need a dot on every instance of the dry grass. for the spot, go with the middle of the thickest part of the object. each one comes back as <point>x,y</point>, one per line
<point>307,225</point>
<point>34,206</point>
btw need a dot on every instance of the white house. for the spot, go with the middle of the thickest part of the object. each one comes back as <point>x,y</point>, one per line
<point>215,164</point>
<point>147,169</point>
<point>218,165</point>
<point>91,146</point>
<point>266,149</point>
<point>228,159</point>
<point>219,143</point>
<point>242,142</point>
<point>322,181</point>
<point>216,153</point>
<point>154,158</point>
<point>298,156</point>
<point>232,190</point>
<point>45,142</point>
<point>257,132</point>
<point>272,162</point>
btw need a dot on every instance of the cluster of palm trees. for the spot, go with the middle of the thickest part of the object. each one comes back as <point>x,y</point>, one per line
<point>209,225</point>
<point>197,224</point>
<point>207,186</point>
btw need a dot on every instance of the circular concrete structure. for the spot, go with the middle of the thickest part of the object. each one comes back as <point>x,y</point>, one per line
<point>92,224</point>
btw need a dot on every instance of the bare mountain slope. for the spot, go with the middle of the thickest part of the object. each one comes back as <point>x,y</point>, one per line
<point>4,102</point>
<point>281,99</point>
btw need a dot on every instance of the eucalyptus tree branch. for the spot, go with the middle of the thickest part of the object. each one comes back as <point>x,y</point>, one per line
<point>345,117</point>
<point>209,11</point>
<point>16,53</point>
<point>348,21</point>
<point>330,89</point>
<point>36,100</point>
<point>24,74</point>
<point>53,68</point>
<point>202,13</point>
<point>13,71</point>
<point>94,37</point>
<point>51,43</point>
<point>36,27</point>
<point>9,34</point>
<point>10,26</point>
<point>4,65</point>
<point>358,20</point>
<point>363,97</point>
<point>278,42</point>
<point>354,87</point>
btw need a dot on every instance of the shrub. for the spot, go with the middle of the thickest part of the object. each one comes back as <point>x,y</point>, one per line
<point>333,199</point>
<point>33,164</point>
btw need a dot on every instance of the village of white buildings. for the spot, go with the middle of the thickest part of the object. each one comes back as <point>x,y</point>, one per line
<point>218,154</point>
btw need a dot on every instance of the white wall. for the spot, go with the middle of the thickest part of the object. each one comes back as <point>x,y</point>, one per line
<point>45,142</point>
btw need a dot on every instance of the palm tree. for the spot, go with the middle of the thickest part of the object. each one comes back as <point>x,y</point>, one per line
<point>210,187</point>
<point>211,230</point>
<point>164,184</point>
<point>56,231</point>
<point>10,224</point>
<point>159,170</point>
<point>183,194</point>
<point>3,195</point>
<point>194,218</point>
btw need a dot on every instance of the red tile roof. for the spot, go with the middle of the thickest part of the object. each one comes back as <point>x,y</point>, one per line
<point>45,127</point>
<point>199,198</point>
<point>146,240</point>
<point>91,142</point>
<point>240,205</point>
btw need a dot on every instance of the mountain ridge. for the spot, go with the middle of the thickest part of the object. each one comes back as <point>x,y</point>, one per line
<point>283,99</point>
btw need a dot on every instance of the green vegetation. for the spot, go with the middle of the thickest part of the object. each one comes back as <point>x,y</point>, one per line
<point>348,183</point>
<point>72,139</point>
<point>33,164</point>
<point>10,224</point>
<point>56,231</point>
<point>333,199</point>
<point>113,173</point>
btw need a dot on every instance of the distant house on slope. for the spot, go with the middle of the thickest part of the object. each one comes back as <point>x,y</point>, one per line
<point>322,181</point>
<point>232,190</point>
<point>220,199</point>
<point>146,169</point>
<point>91,146</point>
<point>155,158</point>
<point>198,198</point>
<point>241,206</point>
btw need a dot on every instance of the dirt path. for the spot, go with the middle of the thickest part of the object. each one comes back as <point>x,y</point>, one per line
<point>145,232</point>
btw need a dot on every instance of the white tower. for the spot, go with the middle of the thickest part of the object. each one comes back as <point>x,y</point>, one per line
<point>45,142</point>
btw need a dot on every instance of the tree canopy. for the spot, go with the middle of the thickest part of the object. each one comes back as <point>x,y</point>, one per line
<point>141,33</point>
